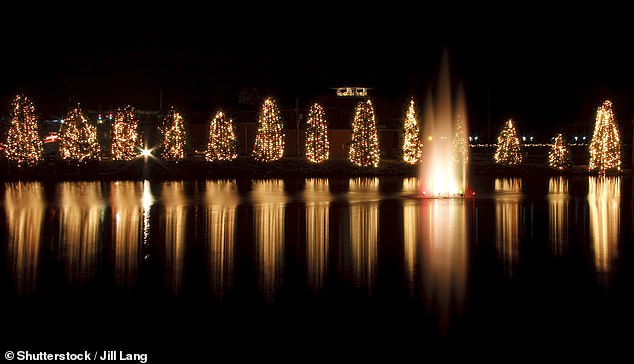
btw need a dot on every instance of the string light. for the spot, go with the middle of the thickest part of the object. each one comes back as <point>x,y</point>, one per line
<point>460,143</point>
<point>174,137</point>
<point>559,154</point>
<point>412,146</point>
<point>508,148</point>
<point>125,137</point>
<point>317,145</point>
<point>222,139</point>
<point>269,142</point>
<point>78,138</point>
<point>364,151</point>
<point>605,147</point>
<point>23,146</point>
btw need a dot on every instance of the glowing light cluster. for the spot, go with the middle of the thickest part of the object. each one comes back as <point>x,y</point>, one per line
<point>23,144</point>
<point>559,154</point>
<point>460,142</point>
<point>174,137</point>
<point>126,140</point>
<point>222,139</point>
<point>412,146</point>
<point>508,147</point>
<point>605,147</point>
<point>269,142</point>
<point>317,145</point>
<point>364,151</point>
<point>78,138</point>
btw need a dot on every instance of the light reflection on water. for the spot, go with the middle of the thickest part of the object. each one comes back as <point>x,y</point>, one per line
<point>174,221</point>
<point>24,209</point>
<point>604,195</point>
<point>361,255</point>
<point>81,218</point>
<point>508,195</point>
<point>558,200</point>
<point>317,200</point>
<point>221,202</point>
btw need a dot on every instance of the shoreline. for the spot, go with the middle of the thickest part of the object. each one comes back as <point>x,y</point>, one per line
<point>247,167</point>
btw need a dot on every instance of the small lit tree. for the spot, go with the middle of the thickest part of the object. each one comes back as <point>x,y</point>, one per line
<point>174,137</point>
<point>78,138</point>
<point>126,140</point>
<point>24,145</point>
<point>605,147</point>
<point>364,150</point>
<point>222,138</point>
<point>460,143</point>
<point>412,146</point>
<point>559,154</point>
<point>269,142</point>
<point>508,148</point>
<point>317,145</point>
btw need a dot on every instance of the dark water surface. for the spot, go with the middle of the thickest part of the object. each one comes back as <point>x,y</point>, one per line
<point>319,269</point>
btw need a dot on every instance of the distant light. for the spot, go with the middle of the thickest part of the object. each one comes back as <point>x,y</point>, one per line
<point>523,138</point>
<point>146,152</point>
<point>531,139</point>
<point>576,138</point>
<point>429,138</point>
<point>584,138</point>
<point>476,138</point>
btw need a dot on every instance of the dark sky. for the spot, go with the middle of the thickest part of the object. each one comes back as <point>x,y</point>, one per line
<point>547,67</point>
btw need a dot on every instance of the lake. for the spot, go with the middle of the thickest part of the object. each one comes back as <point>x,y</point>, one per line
<point>311,269</point>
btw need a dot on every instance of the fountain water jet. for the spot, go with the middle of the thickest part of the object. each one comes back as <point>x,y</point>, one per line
<point>442,171</point>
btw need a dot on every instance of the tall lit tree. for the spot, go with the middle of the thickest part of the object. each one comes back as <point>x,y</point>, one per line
<point>559,154</point>
<point>412,146</point>
<point>222,142</point>
<point>24,145</point>
<point>460,144</point>
<point>174,136</point>
<point>508,148</point>
<point>269,142</point>
<point>364,150</point>
<point>126,140</point>
<point>605,147</point>
<point>317,144</point>
<point>78,137</point>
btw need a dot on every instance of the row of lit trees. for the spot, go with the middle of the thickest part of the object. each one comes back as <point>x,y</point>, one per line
<point>605,147</point>
<point>78,137</point>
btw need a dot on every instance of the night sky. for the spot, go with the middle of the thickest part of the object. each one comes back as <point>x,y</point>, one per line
<point>547,67</point>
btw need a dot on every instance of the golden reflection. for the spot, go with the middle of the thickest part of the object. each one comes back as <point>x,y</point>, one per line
<point>81,217</point>
<point>508,194</point>
<point>604,194</point>
<point>221,200</point>
<point>363,189</point>
<point>24,208</point>
<point>268,209</point>
<point>130,202</point>
<point>317,200</point>
<point>174,222</point>
<point>410,185</point>
<point>411,235</point>
<point>558,213</point>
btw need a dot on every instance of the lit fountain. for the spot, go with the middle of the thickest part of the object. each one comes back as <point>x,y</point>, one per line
<point>442,172</point>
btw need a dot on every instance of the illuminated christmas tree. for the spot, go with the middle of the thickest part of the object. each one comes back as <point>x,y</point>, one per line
<point>222,139</point>
<point>559,154</point>
<point>78,138</point>
<point>126,140</point>
<point>174,137</point>
<point>605,147</point>
<point>364,151</point>
<point>412,146</point>
<point>317,145</point>
<point>269,142</point>
<point>23,145</point>
<point>508,147</point>
<point>460,144</point>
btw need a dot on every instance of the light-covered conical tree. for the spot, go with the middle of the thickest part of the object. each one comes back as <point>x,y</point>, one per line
<point>412,146</point>
<point>508,150</point>
<point>222,138</point>
<point>126,140</point>
<point>559,154</point>
<point>460,142</point>
<point>269,142</point>
<point>364,150</point>
<point>605,147</point>
<point>23,144</point>
<point>78,138</point>
<point>317,144</point>
<point>174,136</point>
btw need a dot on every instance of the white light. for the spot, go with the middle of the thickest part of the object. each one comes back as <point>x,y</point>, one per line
<point>476,138</point>
<point>146,152</point>
<point>523,138</point>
